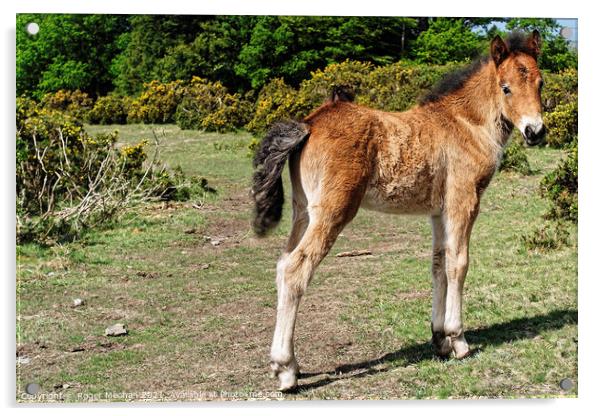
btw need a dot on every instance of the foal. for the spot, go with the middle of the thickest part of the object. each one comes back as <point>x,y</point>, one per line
<point>435,159</point>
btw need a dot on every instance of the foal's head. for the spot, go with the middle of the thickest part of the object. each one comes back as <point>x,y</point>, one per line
<point>520,83</point>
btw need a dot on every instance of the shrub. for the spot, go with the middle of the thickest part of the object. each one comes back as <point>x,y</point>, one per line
<point>209,106</point>
<point>111,109</point>
<point>175,186</point>
<point>278,101</point>
<point>560,88</point>
<point>68,181</point>
<point>549,236</point>
<point>562,124</point>
<point>273,100</point>
<point>561,187</point>
<point>394,87</point>
<point>314,91</point>
<point>398,86</point>
<point>74,103</point>
<point>515,157</point>
<point>157,103</point>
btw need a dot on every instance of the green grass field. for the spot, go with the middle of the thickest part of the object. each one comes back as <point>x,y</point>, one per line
<point>200,317</point>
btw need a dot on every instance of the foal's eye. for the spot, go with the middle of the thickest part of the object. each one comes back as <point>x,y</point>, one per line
<point>540,85</point>
<point>506,89</point>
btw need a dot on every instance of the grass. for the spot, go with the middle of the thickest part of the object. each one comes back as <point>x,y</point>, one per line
<point>200,317</point>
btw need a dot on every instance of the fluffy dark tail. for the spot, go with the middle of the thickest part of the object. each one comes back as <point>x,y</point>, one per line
<point>280,141</point>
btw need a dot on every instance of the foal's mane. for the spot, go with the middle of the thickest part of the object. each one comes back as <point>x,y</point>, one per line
<point>453,81</point>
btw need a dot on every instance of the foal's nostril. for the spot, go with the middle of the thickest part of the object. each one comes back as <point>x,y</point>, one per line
<point>532,136</point>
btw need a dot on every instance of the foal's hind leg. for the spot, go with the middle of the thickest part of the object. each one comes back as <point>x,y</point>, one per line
<point>299,226</point>
<point>294,273</point>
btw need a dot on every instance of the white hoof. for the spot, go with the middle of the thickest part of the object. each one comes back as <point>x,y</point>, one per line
<point>287,375</point>
<point>460,347</point>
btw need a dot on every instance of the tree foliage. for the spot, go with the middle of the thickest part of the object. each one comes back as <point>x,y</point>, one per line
<point>101,53</point>
<point>69,52</point>
<point>447,40</point>
<point>556,54</point>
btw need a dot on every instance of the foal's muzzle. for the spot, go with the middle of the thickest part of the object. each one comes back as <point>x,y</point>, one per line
<point>533,136</point>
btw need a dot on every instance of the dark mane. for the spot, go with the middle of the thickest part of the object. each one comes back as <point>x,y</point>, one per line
<point>517,43</point>
<point>453,81</point>
<point>342,93</point>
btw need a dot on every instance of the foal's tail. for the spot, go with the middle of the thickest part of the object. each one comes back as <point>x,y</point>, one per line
<point>282,140</point>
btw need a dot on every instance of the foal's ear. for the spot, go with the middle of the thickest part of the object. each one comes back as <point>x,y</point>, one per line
<point>534,42</point>
<point>499,50</point>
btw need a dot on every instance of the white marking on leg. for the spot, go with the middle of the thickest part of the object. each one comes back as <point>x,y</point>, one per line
<point>456,259</point>
<point>282,355</point>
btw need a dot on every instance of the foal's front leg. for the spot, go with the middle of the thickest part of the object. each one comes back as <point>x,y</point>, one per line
<point>441,343</point>
<point>459,218</point>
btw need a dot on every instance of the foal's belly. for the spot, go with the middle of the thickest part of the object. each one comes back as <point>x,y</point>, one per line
<point>399,198</point>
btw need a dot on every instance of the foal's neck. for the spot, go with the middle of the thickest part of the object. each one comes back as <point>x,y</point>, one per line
<point>478,103</point>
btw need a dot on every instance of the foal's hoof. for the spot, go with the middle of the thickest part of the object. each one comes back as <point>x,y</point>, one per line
<point>441,344</point>
<point>287,375</point>
<point>460,347</point>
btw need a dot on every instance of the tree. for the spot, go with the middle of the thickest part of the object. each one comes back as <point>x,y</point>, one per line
<point>213,54</point>
<point>70,51</point>
<point>448,39</point>
<point>292,46</point>
<point>149,39</point>
<point>555,52</point>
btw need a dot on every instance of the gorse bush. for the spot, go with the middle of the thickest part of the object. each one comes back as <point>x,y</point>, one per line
<point>562,124</point>
<point>58,167</point>
<point>515,157</point>
<point>561,187</point>
<point>279,101</point>
<point>313,91</point>
<point>111,109</point>
<point>209,106</point>
<point>69,181</point>
<point>74,103</point>
<point>272,105</point>
<point>394,87</point>
<point>157,103</point>
<point>397,87</point>
<point>560,88</point>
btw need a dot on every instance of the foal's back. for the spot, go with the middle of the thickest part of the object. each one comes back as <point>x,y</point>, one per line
<point>390,160</point>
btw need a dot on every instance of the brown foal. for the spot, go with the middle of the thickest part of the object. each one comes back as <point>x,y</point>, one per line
<point>436,159</point>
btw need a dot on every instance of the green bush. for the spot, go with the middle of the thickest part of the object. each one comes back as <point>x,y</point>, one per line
<point>515,157</point>
<point>397,87</point>
<point>562,124</point>
<point>57,166</point>
<point>315,90</point>
<point>157,103</point>
<point>560,88</point>
<point>111,109</point>
<point>549,236</point>
<point>209,106</point>
<point>278,101</point>
<point>175,186</point>
<point>68,181</point>
<point>561,187</point>
<point>394,87</point>
<point>75,103</point>
<point>273,100</point>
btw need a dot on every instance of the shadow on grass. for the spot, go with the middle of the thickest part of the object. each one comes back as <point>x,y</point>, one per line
<point>516,329</point>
